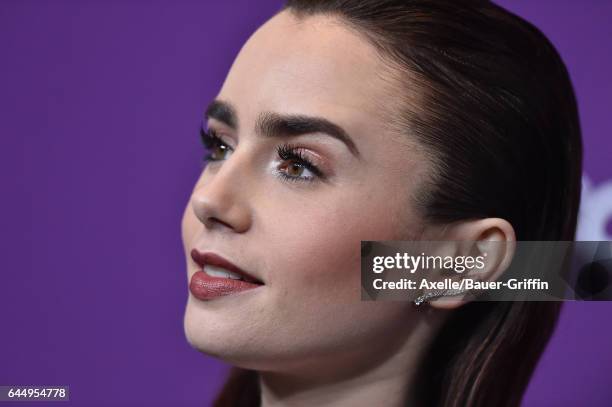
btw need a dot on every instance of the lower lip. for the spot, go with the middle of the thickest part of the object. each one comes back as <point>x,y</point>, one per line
<point>205,287</point>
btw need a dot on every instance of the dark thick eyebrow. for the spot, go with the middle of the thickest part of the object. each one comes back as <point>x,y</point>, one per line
<point>223,112</point>
<point>276,125</point>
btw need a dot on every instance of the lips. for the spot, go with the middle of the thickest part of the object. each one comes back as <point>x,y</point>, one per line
<point>218,277</point>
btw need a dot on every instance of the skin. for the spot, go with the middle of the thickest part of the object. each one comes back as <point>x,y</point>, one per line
<point>306,330</point>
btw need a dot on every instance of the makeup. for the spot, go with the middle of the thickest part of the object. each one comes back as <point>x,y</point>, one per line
<point>218,277</point>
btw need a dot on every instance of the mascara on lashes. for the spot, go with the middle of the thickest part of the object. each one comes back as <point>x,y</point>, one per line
<point>286,152</point>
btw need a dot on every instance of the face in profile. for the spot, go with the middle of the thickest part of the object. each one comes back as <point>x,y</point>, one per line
<point>304,164</point>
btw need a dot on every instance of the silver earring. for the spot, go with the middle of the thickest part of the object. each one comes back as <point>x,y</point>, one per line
<point>427,296</point>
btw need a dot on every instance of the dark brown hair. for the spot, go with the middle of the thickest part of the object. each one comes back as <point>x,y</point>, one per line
<point>498,114</point>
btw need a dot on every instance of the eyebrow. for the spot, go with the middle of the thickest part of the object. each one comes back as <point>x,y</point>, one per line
<point>276,125</point>
<point>223,112</point>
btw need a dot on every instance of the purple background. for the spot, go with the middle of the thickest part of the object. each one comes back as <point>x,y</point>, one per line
<point>100,104</point>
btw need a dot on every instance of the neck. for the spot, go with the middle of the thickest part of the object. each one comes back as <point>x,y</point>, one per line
<point>386,376</point>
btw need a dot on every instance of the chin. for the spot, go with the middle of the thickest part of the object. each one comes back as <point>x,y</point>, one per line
<point>229,339</point>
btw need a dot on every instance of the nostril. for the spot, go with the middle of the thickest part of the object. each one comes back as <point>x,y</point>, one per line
<point>211,221</point>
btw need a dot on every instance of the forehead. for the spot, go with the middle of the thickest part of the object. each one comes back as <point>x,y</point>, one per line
<point>312,65</point>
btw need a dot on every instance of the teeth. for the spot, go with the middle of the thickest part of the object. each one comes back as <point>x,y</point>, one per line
<point>215,271</point>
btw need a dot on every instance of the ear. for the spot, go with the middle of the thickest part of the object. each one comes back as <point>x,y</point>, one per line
<point>493,238</point>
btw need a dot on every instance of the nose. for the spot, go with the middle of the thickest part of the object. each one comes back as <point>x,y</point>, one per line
<point>220,199</point>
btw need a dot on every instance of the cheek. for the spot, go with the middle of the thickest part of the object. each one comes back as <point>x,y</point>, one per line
<point>320,249</point>
<point>316,297</point>
<point>316,247</point>
<point>315,272</point>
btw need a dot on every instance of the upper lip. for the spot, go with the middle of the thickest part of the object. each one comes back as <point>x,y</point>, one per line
<point>213,259</point>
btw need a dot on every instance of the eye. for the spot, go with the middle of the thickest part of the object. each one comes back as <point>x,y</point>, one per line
<point>216,148</point>
<point>295,170</point>
<point>295,166</point>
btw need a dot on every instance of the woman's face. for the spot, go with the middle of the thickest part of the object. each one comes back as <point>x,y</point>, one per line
<point>295,228</point>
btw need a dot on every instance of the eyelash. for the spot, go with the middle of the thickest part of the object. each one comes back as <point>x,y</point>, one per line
<point>210,140</point>
<point>286,152</point>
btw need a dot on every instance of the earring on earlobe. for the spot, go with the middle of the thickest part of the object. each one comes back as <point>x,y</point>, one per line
<point>427,296</point>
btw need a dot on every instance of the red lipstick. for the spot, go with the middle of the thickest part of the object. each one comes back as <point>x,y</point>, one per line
<point>206,287</point>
